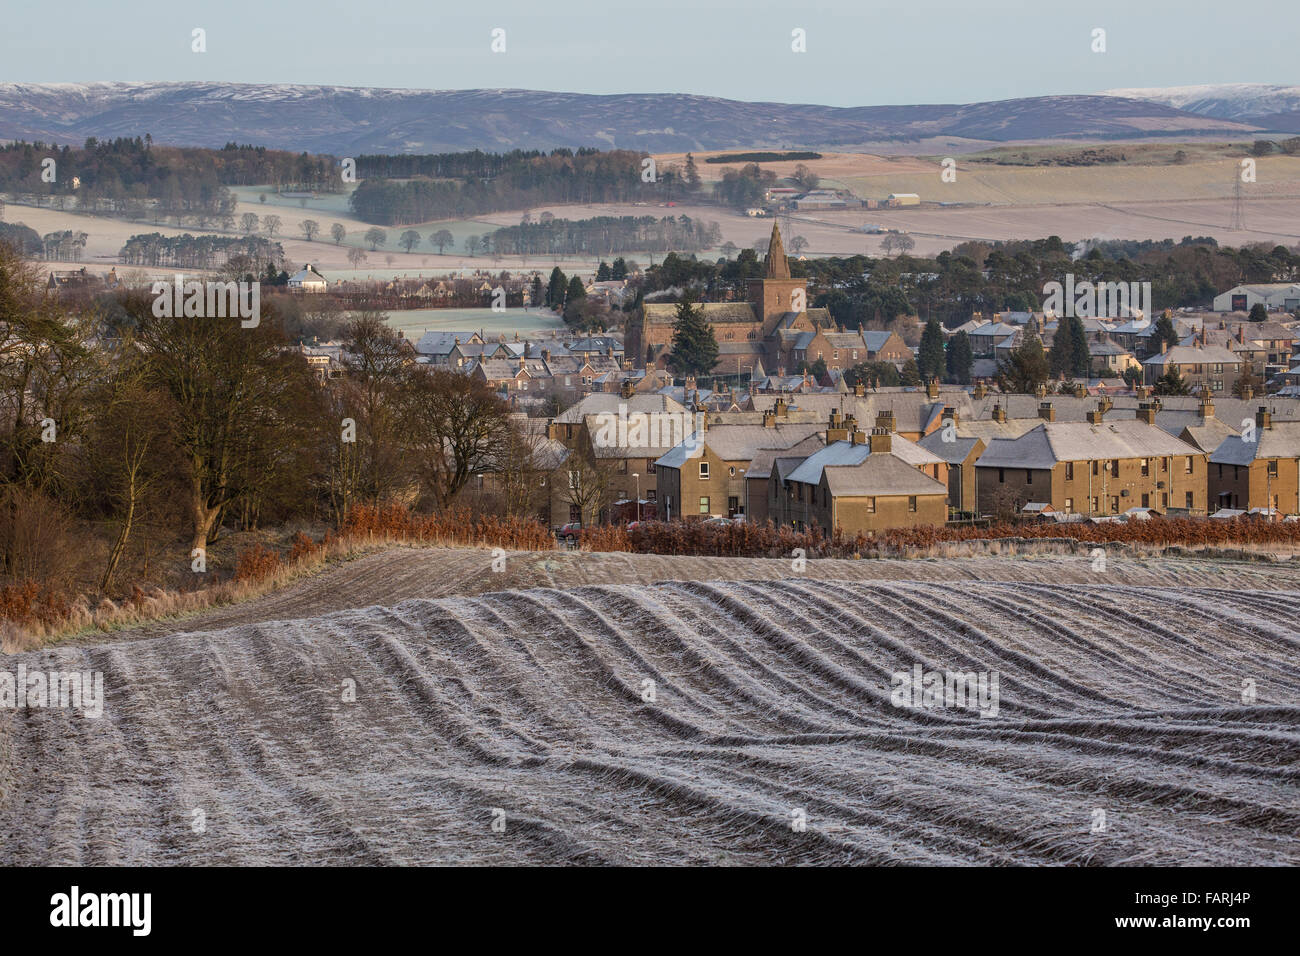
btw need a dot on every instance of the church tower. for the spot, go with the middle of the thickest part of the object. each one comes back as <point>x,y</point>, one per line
<point>776,293</point>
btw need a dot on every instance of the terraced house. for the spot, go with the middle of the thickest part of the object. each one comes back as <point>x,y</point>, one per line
<point>859,482</point>
<point>1096,467</point>
<point>1259,471</point>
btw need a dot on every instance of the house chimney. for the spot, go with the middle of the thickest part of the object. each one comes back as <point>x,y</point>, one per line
<point>1041,390</point>
<point>1046,412</point>
<point>1080,390</point>
<point>1206,408</point>
<point>1164,346</point>
<point>781,408</point>
<point>979,391</point>
<point>881,440</point>
<point>932,388</point>
<point>885,419</point>
<point>949,414</point>
<point>1147,412</point>
<point>1105,404</point>
<point>1263,419</point>
<point>546,355</point>
<point>1241,334</point>
<point>859,390</point>
<point>999,414</point>
<point>835,430</point>
<point>627,389</point>
<point>769,419</point>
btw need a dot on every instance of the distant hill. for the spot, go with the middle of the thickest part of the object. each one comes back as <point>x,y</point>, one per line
<point>348,120</point>
<point>1267,105</point>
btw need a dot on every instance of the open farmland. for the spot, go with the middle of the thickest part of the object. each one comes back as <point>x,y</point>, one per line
<point>522,696</point>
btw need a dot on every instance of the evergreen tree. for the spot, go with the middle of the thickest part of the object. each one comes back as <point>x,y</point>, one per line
<point>620,269</point>
<point>1258,312</point>
<point>930,363</point>
<point>959,359</point>
<point>910,374</point>
<point>1171,383</point>
<point>1060,357</point>
<point>537,290</point>
<point>695,348</point>
<point>1080,352</point>
<point>576,290</point>
<point>555,290</point>
<point>692,174</point>
<point>603,272</point>
<point>1026,367</point>
<point>1163,331</point>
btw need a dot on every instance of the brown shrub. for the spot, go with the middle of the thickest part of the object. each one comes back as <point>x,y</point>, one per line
<point>256,563</point>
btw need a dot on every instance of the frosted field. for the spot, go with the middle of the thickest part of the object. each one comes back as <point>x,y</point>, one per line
<point>521,697</point>
<point>524,321</point>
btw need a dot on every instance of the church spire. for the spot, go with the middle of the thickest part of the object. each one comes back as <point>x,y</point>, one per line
<point>777,266</point>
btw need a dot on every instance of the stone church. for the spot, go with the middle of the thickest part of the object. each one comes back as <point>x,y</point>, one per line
<point>756,336</point>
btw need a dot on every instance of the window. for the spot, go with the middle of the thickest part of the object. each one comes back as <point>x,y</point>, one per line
<point>871,506</point>
<point>1069,505</point>
<point>650,495</point>
<point>622,466</point>
<point>1114,467</point>
<point>575,513</point>
<point>1029,477</point>
<point>704,505</point>
<point>1146,467</point>
<point>1272,468</point>
<point>704,471</point>
<point>733,505</point>
<point>732,471</point>
<point>1002,476</point>
<point>835,354</point>
<point>1164,500</point>
<point>1069,471</point>
<point>1095,463</point>
<point>1096,505</point>
<point>1146,500</point>
<point>1189,466</point>
<point>911,503</point>
<point>1114,504</point>
<point>1220,471</point>
<point>1191,500</point>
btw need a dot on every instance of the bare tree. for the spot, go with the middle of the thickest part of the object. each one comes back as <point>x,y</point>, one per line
<point>338,233</point>
<point>271,223</point>
<point>310,227</point>
<point>248,223</point>
<point>453,426</point>
<point>442,238</point>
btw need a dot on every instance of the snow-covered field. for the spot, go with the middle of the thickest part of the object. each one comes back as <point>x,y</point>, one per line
<point>634,709</point>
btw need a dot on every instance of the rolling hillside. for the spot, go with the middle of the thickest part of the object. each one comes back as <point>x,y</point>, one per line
<point>345,121</point>
<point>532,708</point>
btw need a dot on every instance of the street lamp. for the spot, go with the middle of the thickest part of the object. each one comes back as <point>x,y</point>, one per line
<point>638,496</point>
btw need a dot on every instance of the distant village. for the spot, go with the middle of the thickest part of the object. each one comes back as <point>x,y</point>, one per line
<point>808,449</point>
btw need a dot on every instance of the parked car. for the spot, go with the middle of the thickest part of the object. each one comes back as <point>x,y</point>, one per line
<point>718,521</point>
<point>633,525</point>
<point>570,532</point>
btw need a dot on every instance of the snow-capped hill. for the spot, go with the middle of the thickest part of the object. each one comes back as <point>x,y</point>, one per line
<point>1233,101</point>
<point>344,121</point>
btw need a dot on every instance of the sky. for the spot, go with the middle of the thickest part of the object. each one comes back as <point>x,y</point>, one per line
<point>858,52</point>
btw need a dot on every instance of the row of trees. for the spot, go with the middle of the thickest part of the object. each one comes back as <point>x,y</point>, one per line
<point>199,252</point>
<point>518,181</point>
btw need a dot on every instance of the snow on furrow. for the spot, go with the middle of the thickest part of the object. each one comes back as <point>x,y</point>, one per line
<point>772,699</point>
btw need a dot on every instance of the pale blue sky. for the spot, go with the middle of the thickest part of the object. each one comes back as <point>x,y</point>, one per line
<point>859,53</point>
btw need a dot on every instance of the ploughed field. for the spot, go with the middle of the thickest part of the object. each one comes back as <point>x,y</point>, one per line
<point>638,709</point>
